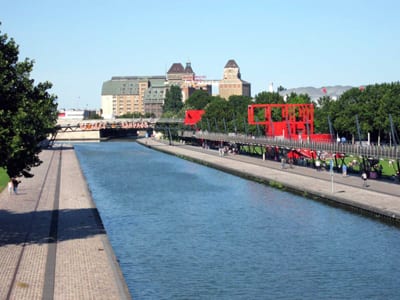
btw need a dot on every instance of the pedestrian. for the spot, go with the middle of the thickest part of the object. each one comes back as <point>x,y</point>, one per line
<point>318,165</point>
<point>15,185</point>
<point>10,187</point>
<point>283,161</point>
<point>364,177</point>
<point>291,163</point>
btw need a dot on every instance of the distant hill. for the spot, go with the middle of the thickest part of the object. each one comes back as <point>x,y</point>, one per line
<point>316,93</point>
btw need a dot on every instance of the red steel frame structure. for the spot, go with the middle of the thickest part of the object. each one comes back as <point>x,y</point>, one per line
<point>297,121</point>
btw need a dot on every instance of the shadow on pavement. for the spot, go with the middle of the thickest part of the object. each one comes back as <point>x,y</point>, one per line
<point>35,227</point>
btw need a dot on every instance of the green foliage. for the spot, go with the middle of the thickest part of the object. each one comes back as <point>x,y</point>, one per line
<point>268,98</point>
<point>198,100</point>
<point>293,98</point>
<point>28,113</point>
<point>169,114</point>
<point>324,108</point>
<point>3,179</point>
<point>280,89</point>
<point>136,115</point>
<point>173,100</point>
<point>226,115</point>
<point>372,105</point>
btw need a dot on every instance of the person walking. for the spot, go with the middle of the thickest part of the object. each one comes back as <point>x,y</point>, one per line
<point>318,165</point>
<point>15,185</point>
<point>10,186</point>
<point>344,170</point>
<point>364,178</point>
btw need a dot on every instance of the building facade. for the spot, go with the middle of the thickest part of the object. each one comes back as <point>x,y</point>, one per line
<point>186,79</point>
<point>146,94</point>
<point>231,83</point>
<point>154,97</point>
<point>127,94</point>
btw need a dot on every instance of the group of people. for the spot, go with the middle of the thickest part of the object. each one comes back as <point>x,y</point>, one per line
<point>13,186</point>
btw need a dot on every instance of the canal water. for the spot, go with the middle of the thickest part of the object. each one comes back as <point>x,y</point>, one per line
<point>184,231</point>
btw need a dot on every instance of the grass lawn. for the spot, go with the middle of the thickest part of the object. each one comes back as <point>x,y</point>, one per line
<point>388,168</point>
<point>3,179</point>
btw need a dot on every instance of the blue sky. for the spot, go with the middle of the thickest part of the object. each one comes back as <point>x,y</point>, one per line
<point>77,45</point>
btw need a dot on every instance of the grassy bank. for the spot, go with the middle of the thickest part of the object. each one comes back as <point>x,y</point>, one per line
<point>388,168</point>
<point>3,179</point>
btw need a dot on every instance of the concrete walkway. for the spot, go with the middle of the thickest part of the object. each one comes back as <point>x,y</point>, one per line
<point>52,242</point>
<point>379,198</point>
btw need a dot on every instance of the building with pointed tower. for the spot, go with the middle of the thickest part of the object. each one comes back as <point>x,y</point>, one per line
<point>186,79</point>
<point>231,83</point>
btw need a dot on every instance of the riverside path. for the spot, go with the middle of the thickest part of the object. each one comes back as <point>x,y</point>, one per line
<point>380,199</point>
<point>52,242</point>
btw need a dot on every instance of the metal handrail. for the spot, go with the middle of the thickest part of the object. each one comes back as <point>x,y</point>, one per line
<point>349,149</point>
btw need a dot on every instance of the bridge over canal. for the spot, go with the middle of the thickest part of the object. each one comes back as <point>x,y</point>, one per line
<point>103,129</point>
<point>175,129</point>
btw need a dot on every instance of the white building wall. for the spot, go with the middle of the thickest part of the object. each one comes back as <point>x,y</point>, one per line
<point>107,106</point>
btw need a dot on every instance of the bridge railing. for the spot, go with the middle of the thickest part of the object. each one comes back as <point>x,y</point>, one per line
<point>349,149</point>
<point>170,121</point>
<point>88,125</point>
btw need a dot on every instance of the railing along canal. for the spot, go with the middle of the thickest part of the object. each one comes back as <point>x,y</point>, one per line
<point>348,149</point>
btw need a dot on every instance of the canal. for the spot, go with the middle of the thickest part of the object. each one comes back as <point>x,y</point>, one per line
<point>184,231</point>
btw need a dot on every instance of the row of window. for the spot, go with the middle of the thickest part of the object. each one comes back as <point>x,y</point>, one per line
<point>229,86</point>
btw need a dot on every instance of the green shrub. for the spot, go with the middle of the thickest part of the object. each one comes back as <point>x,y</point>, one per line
<point>3,179</point>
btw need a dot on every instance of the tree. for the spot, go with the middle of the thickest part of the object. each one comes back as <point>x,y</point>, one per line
<point>372,106</point>
<point>173,100</point>
<point>268,98</point>
<point>281,89</point>
<point>324,111</point>
<point>28,113</point>
<point>218,111</point>
<point>239,106</point>
<point>95,116</point>
<point>198,100</point>
<point>293,98</point>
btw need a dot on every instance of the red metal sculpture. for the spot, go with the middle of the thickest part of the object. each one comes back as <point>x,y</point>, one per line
<point>288,121</point>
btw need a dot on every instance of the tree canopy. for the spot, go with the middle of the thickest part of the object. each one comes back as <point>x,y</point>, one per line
<point>198,100</point>
<point>226,115</point>
<point>371,106</point>
<point>28,113</point>
<point>173,101</point>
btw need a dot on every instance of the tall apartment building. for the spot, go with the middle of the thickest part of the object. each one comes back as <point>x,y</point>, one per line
<point>231,83</point>
<point>132,94</point>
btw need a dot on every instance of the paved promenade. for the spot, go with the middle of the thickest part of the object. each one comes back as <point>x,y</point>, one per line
<point>379,199</point>
<point>52,242</point>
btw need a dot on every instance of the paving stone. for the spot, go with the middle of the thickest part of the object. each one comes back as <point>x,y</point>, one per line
<point>80,264</point>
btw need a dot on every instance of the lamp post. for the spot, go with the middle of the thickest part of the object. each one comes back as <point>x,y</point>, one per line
<point>331,171</point>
